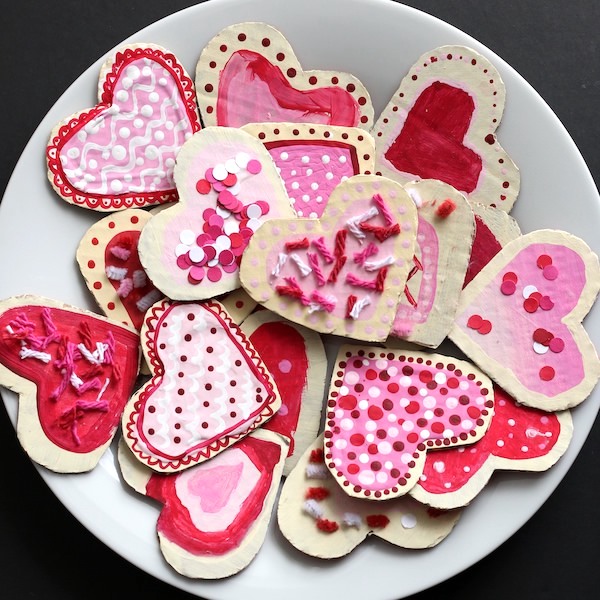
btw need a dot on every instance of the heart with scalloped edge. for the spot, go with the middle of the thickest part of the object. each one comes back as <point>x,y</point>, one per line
<point>520,319</point>
<point>73,371</point>
<point>121,153</point>
<point>342,273</point>
<point>441,123</point>
<point>248,73</point>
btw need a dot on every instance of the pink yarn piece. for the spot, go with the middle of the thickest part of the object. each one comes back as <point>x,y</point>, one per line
<point>361,257</point>
<point>319,244</point>
<point>313,261</point>
<point>383,209</point>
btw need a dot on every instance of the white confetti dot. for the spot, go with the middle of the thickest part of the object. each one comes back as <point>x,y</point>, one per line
<point>254,211</point>
<point>151,152</point>
<point>363,405</point>
<point>540,348</point>
<point>116,185</point>
<point>363,458</point>
<point>241,159</point>
<point>528,290</point>
<point>409,521</point>
<point>440,378</point>
<point>220,172</point>
<point>223,242</point>
<point>408,425</point>
<point>181,249</point>
<point>370,426</point>
<point>119,152</point>
<point>384,447</point>
<point>138,123</point>
<point>159,136</point>
<point>197,254</point>
<point>124,132</point>
<point>187,236</point>
<point>231,166</point>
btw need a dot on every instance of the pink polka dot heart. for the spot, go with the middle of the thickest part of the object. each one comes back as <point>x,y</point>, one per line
<point>387,408</point>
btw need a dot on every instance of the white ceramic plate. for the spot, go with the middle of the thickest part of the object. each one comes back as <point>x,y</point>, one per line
<point>392,37</point>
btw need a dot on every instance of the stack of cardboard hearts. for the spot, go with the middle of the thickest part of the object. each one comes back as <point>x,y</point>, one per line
<point>255,216</point>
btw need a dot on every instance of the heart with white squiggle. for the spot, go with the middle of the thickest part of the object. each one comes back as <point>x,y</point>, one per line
<point>121,153</point>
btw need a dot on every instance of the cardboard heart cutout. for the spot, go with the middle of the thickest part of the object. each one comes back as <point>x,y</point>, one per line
<point>319,519</point>
<point>73,371</point>
<point>343,273</point>
<point>120,154</point>
<point>441,124</point>
<point>208,389</point>
<point>520,320</point>
<point>228,186</point>
<point>248,73</point>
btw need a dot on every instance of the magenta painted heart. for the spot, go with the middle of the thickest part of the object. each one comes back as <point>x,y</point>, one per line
<point>342,273</point>
<point>209,387</point>
<point>121,153</point>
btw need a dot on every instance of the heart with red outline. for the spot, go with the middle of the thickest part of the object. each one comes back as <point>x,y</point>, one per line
<point>120,154</point>
<point>519,439</point>
<point>248,73</point>
<point>520,319</point>
<point>441,123</point>
<point>387,408</point>
<point>342,273</point>
<point>73,371</point>
<point>208,387</point>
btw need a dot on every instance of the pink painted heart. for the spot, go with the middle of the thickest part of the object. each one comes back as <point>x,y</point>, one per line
<point>121,153</point>
<point>228,185</point>
<point>208,389</point>
<point>520,319</point>
<point>387,408</point>
<point>519,439</point>
<point>109,261</point>
<point>342,273</point>
<point>313,159</point>
<point>441,123</point>
<point>74,372</point>
<point>249,73</point>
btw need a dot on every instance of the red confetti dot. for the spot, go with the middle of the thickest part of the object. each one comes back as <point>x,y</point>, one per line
<point>412,407</point>
<point>550,272</point>
<point>547,373</point>
<point>508,287</point>
<point>510,276</point>
<point>230,180</point>
<point>485,327</point>
<point>531,305</point>
<point>557,345</point>
<point>541,336</point>
<point>544,261</point>
<point>203,186</point>
<point>474,322</point>
<point>214,274</point>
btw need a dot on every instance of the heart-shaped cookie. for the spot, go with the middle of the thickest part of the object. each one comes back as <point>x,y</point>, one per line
<point>208,389</point>
<point>73,372</point>
<point>313,159</point>
<point>121,153</point>
<point>387,408</point>
<point>519,439</point>
<point>520,319</point>
<point>109,261</point>
<point>248,73</point>
<point>441,123</point>
<point>444,237</point>
<point>215,514</point>
<point>228,185</point>
<point>319,519</point>
<point>342,273</point>
<point>295,357</point>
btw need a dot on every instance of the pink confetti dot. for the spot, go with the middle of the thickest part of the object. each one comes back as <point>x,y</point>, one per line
<point>226,257</point>
<point>557,345</point>
<point>232,268</point>
<point>264,206</point>
<point>254,166</point>
<point>230,180</point>
<point>203,239</point>
<point>210,251</point>
<point>209,175</point>
<point>214,274</point>
<point>546,303</point>
<point>508,287</point>
<point>219,186</point>
<point>196,275</point>
<point>183,261</point>
<point>208,213</point>
<point>216,221</point>
<point>550,272</point>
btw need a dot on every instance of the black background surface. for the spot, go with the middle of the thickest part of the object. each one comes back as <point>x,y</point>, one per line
<point>45,552</point>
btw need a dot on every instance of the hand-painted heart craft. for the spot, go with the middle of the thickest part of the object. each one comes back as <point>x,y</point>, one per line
<point>228,185</point>
<point>121,153</point>
<point>343,273</point>
<point>73,371</point>
<point>520,320</point>
<point>441,123</point>
<point>209,388</point>
<point>248,73</point>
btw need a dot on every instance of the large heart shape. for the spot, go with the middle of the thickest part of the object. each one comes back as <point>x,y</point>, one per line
<point>228,185</point>
<point>441,123</point>
<point>313,159</point>
<point>121,153</point>
<point>387,408</point>
<point>73,371</point>
<point>295,357</point>
<point>519,439</point>
<point>444,236</point>
<point>208,389</point>
<point>520,319</point>
<point>109,261</point>
<point>321,520</point>
<point>248,73</point>
<point>342,273</point>
<point>215,515</point>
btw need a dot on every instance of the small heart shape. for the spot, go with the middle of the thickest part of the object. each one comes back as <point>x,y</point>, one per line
<point>248,73</point>
<point>441,123</point>
<point>342,273</point>
<point>121,153</point>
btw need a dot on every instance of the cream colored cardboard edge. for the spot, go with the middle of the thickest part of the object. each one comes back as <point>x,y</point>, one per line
<point>309,418</point>
<point>301,531</point>
<point>486,118</point>
<point>501,374</point>
<point>504,227</point>
<point>477,482</point>
<point>255,32</point>
<point>29,429</point>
